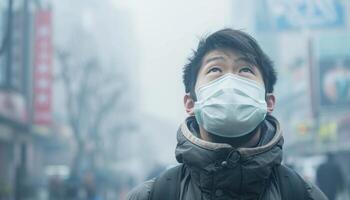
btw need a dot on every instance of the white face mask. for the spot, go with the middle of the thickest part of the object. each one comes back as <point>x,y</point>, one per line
<point>230,106</point>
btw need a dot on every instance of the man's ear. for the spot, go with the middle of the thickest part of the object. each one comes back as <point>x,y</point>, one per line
<point>189,104</point>
<point>270,101</point>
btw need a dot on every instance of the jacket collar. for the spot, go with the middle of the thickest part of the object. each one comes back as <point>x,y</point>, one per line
<point>217,165</point>
<point>192,136</point>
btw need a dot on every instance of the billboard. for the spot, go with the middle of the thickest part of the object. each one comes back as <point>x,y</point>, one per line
<point>334,82</point>
<point>281,15</point>
<point>42,69</point>
<point>333,71</point>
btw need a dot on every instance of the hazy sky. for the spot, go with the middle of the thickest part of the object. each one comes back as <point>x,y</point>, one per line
<point>166,31</point>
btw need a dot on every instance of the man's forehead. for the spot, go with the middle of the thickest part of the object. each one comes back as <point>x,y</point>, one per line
<point>225,55</point>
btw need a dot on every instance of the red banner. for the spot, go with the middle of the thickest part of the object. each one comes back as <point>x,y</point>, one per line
<point>42,78</point>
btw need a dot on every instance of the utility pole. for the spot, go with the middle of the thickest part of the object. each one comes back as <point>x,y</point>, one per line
<point>8,46</point>
<point>26,64</point>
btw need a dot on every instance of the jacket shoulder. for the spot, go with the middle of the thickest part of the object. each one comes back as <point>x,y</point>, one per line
<point>314,192</point>
<point>294,185</point>
<point>141,192</point>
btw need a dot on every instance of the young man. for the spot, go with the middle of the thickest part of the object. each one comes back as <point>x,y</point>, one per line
<point>230,146</point>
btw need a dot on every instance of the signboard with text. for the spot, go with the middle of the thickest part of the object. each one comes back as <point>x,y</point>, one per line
<point>281,15</point>
<point>42,79</point>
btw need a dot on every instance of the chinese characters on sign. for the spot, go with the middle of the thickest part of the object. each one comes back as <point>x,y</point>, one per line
<point>42,69</point>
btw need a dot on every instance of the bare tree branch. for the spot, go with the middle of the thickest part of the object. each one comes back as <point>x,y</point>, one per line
<point>91,94</point>
<point>73,120</point>
<point>103,110</point>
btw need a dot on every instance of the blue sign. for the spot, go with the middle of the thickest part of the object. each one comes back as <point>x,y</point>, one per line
<point>300,14</point>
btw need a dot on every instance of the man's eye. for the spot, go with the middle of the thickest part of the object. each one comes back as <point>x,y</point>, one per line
<point>214,69</point>
<point>246,70</point>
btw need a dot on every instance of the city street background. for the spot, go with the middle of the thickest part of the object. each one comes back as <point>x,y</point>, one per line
<point>91,92</point>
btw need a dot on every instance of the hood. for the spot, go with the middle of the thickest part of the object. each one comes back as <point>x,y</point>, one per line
<point>233,170</point>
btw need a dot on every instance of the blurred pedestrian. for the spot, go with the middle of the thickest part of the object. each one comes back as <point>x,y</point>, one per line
<point>72,187</point>
<point>230,146</point>
<point>329,177</point>
<point>56,188</point>
<point>90,186</point>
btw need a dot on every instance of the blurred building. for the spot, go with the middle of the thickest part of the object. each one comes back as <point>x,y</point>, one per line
<point>28,136</point>
<point>307,41</point>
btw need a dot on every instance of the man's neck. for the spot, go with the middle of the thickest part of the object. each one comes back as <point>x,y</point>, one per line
<point>250,140</point>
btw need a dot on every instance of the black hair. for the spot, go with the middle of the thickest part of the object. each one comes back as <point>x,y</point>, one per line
<point>236,40</point>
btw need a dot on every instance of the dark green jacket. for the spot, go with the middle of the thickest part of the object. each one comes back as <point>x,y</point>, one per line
<point>219,171</point>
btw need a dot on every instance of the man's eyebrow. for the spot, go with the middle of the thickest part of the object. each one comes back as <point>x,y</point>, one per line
<point>214,59</point>
<point>244,59</point>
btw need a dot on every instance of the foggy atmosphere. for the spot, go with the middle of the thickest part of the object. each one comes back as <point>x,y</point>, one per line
<point>93,102</point>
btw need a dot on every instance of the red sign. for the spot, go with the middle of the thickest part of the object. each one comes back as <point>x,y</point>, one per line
<point>42,68</point>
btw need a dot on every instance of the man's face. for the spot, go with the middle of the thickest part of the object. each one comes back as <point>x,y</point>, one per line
<point>219,62</point>
<point>224,61</point>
